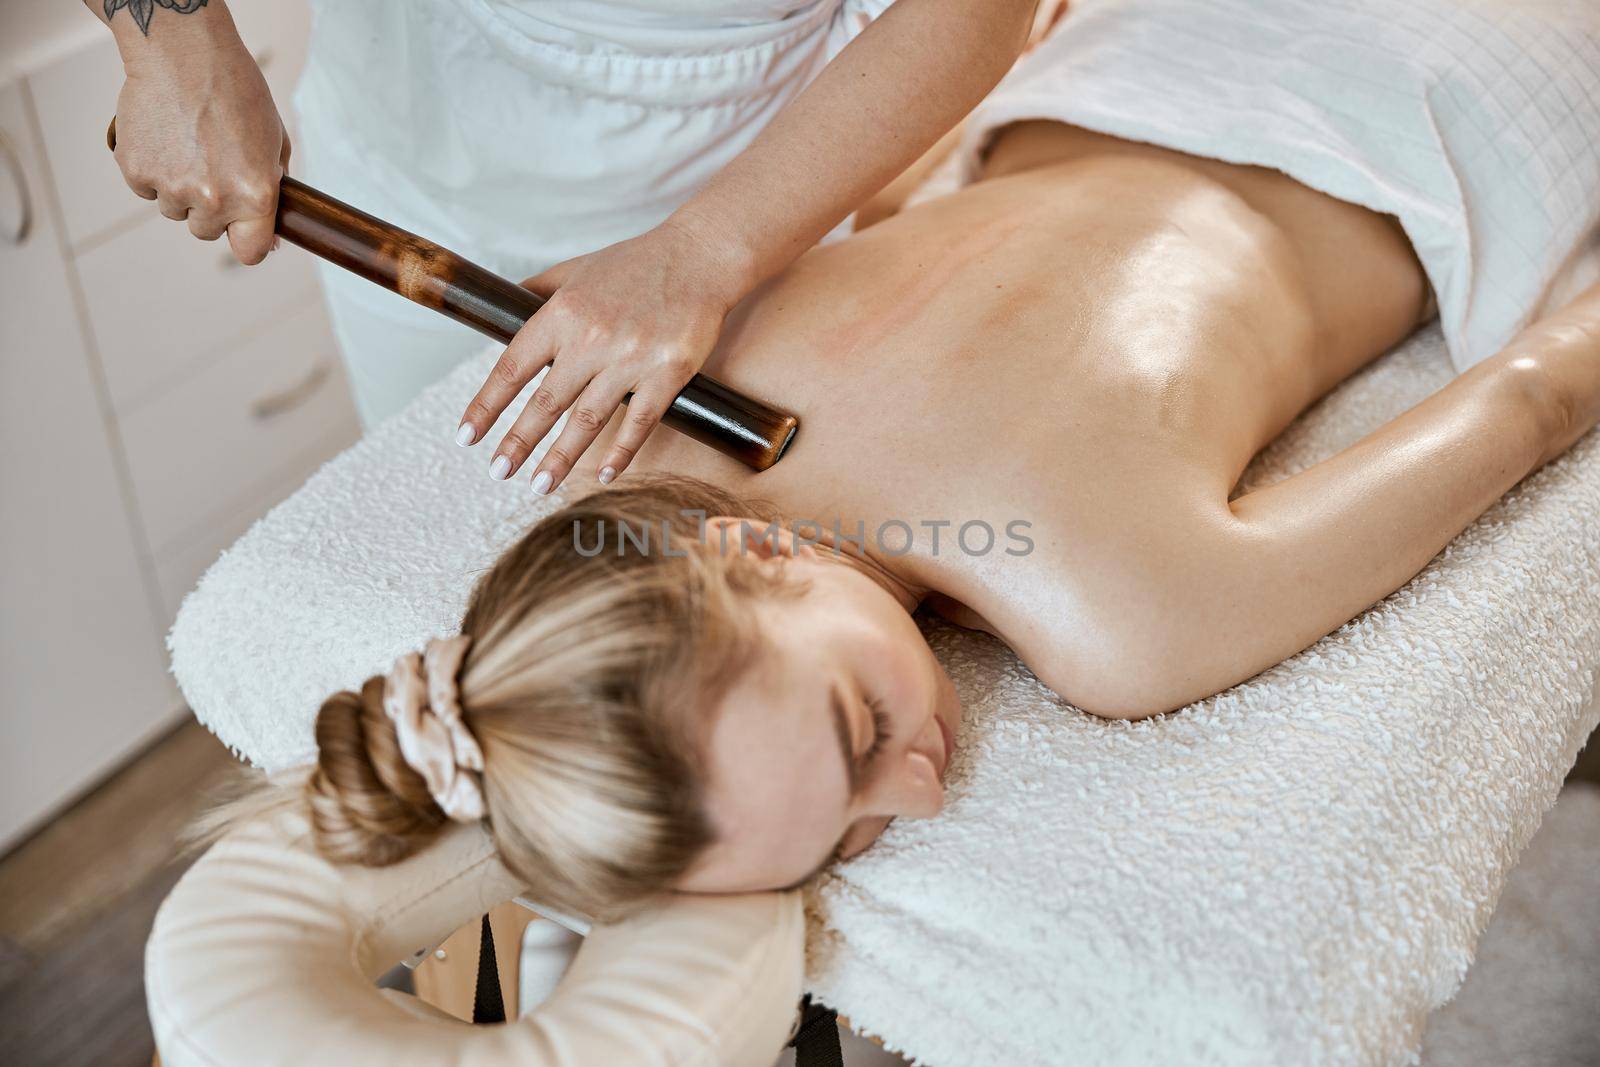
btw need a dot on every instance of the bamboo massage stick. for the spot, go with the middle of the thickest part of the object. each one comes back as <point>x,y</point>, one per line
<point>708,411</point>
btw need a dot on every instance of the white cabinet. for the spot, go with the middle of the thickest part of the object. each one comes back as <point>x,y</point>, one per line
<point>76,93</point>
<point>161,303</point>
<point>207,446</point>
<point>82,679</point>
<point>155,399</point>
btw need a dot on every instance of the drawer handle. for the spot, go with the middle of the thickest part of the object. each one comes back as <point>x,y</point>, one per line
<point>14,165</point>
<point>275,404</point>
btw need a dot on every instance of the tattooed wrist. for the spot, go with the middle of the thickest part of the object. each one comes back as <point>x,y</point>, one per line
<point>141,10</point>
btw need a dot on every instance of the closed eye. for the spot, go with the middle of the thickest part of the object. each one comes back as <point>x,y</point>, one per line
<point>880,733</point>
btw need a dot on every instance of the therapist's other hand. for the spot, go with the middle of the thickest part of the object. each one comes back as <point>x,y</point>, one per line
<point>198,133</point>
<point>639,317</point>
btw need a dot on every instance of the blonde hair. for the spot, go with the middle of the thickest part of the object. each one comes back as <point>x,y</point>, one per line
<point>600,642</point>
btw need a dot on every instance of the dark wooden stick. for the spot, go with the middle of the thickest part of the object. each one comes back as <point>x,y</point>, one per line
<point>712,413</point>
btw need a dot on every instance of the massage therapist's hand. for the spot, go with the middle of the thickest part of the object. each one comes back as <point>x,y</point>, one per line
<point>639,317</point>
<point>644,314</point>
<point>198,132</point>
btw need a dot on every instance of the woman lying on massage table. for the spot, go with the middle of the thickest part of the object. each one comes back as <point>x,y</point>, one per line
<point>1082,351</point>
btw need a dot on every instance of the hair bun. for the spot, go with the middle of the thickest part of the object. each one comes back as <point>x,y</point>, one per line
<point>367,805</point>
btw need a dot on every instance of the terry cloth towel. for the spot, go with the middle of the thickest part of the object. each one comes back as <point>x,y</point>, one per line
<point>1295,871</point>
<point>1475,122</point>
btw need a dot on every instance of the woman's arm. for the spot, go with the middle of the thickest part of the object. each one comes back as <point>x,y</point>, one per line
<point>884,101</point>
<point>197,130</point>
<point>642,316</point>
<point>889,200</point>
<point>1284,565</point>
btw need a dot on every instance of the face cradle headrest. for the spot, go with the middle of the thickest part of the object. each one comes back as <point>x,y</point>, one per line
<point>265,953</point>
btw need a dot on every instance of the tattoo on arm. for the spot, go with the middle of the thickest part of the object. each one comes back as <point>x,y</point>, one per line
<point>141,10</point>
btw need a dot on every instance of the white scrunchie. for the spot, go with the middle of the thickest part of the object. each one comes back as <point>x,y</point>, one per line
<point>420,697</point>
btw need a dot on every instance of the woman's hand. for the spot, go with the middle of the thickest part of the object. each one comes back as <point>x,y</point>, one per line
<point>198,133</point>
<point>643,315</point>
<point>639,317</point>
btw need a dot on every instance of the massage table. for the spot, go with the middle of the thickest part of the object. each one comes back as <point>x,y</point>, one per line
<point>1293,871</point>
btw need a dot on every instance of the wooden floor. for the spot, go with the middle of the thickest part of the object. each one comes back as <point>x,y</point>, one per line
<point>77,901</point>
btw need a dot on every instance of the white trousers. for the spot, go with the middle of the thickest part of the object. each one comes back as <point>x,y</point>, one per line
<point>392,348</point>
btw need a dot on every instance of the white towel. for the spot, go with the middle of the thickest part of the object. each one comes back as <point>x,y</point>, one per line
<point>1295,871</point>
<point>1475,122</point>
<point>1292,872</point>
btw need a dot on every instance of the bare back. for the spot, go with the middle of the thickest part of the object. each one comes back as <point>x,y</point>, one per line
<point>1094,340</point>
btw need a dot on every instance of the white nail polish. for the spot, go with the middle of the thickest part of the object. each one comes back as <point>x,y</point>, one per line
<point>500,468</point>
<point>465,435</point>
<point>541,482</point>
<point>607,474</point>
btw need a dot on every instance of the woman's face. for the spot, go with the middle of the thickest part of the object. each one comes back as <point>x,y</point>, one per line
<point>845,722</point>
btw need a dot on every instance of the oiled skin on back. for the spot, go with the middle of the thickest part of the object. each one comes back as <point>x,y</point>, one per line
<point>1095,342</point>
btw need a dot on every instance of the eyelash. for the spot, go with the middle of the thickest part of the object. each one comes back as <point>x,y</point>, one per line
<point>880,732</point>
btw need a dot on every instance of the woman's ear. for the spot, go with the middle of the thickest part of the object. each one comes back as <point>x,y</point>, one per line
<point>921,792</point>
<point>732,534</point>
<point>909,788</point>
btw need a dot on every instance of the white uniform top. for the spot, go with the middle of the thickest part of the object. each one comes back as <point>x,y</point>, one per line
<point>524,132</point>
